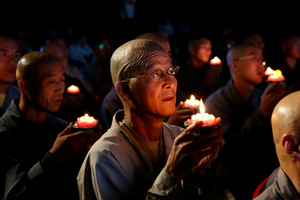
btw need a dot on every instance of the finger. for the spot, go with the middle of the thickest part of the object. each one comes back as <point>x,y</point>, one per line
<point>206,158</point>
<point>201,143</point>
<point>187,134</point>
<point>185,111</point>
<point>205,142</point>
<point>270,88</point>
<point>81,134</point>
<point>180,105</point>
<point>67,130</point>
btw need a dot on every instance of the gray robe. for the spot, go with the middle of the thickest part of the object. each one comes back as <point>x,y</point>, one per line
<point>118,167</point>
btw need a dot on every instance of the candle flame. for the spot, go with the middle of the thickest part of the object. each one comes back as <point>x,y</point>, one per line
<point>269,70</point>
<point>192,98</point>
<point>202,108</point>
<point>278,73</point>
<point>216,59</point>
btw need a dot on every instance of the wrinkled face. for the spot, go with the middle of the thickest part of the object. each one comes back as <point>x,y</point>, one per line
<point>251,70</point>
<point>47,91</point>
<point>9,58</point>
<point>154,97</point>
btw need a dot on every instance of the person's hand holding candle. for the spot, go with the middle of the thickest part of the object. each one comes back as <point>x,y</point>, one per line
<point>212,74</point>
<point>190,153</point>
<point>209,120</point>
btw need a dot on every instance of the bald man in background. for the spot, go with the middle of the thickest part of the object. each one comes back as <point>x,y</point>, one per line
<point>286,134</point>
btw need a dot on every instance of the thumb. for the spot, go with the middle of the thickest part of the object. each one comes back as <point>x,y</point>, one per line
<point>67,130</point>
<point>180,105</point>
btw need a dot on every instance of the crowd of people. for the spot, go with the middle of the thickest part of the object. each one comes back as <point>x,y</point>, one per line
<point>135,87</point>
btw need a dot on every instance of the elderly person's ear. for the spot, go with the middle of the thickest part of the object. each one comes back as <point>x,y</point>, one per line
<point>122,89</point>
<point>24,87</point>
<point>291,144</point>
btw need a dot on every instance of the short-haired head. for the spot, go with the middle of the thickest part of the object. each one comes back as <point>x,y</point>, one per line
<point>133,57</point>
<point>238,51</point>
<point>286,116</point>
<point>156,37</point>
<point>31,63</point>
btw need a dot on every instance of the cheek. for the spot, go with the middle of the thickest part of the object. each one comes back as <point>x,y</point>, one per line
<point>144,95</point>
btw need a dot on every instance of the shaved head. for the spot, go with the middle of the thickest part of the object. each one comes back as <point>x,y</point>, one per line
<point>31,63</point>
<point>133,58</point>
<point>286,116</point>
<point>285,120</point>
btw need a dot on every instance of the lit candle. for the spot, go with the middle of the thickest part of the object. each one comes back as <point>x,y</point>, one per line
<point>73,89</point>
<point>276,76</point>
<point>268,71</point>
<point>209,120</point>
<point>86,122</point>
<point>215,61</point>
<point>192,103</point>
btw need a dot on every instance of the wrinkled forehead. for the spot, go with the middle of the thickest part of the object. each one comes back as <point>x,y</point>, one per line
<point>134,57</point>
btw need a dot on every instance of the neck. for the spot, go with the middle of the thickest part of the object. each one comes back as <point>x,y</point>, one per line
<point>148,127</point>
<point>291,62</point>
<point>31,113</point>
<point>245,89</point>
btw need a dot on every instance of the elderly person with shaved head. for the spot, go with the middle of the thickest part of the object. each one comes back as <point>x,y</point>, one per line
<point>40,155</point>
<point>286,135</point>
<point>140,156</point>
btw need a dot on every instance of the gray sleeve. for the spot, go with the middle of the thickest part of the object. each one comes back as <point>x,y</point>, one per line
<point>164,187</point>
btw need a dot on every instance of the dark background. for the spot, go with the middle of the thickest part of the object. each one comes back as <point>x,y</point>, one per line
<point>273,20</point>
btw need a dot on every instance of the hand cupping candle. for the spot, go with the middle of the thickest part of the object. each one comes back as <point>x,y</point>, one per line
<point>209,120</point>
